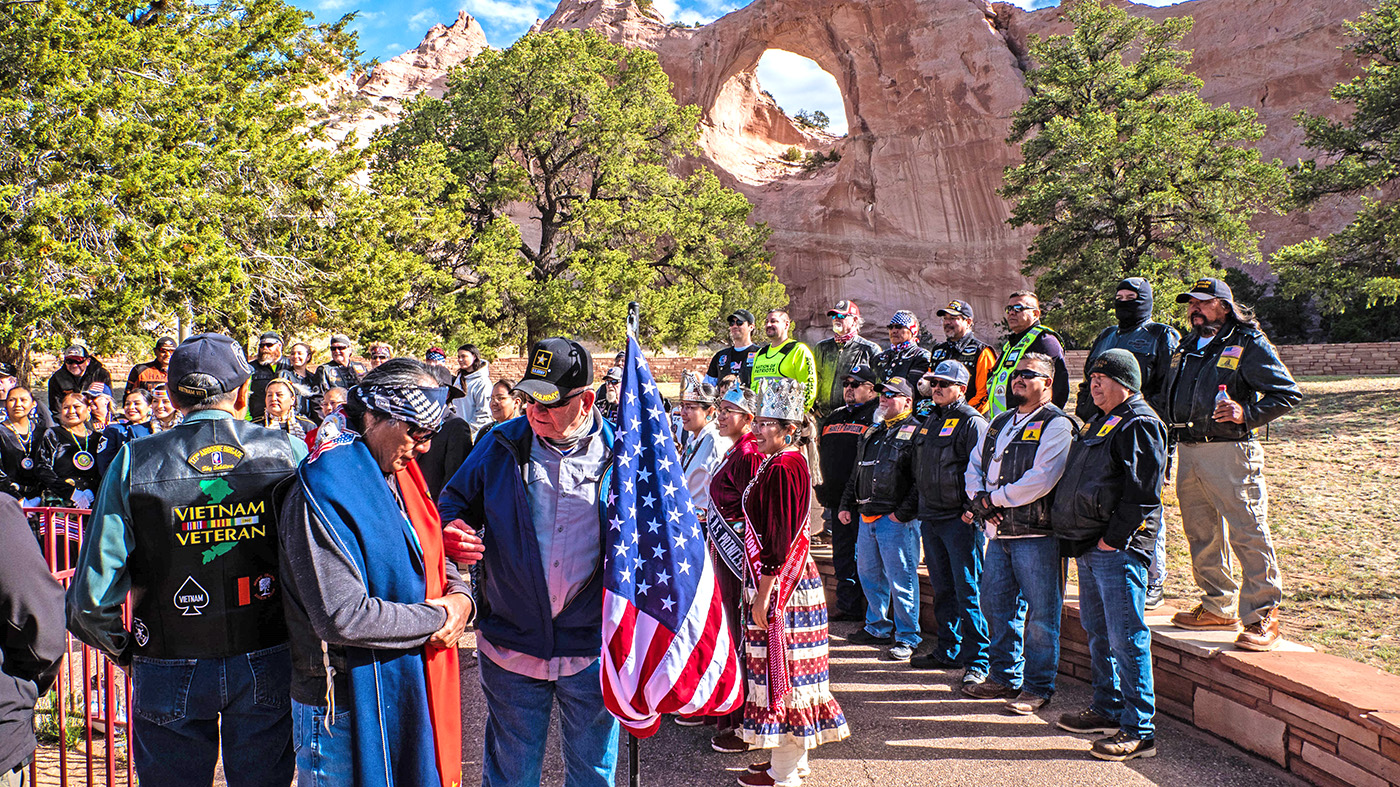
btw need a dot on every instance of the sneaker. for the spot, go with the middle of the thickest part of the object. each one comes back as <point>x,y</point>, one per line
<point>933,660</point>
<point>972,677</point>
<point>803,771</point>
<point>1199,619</point>
<point>690,721</point>
<point>863,637</point>
<point>1086,722</point>
<point>900,651</point>
<point>1262,635</point>
<point>1124,746</point>
<point>728,743</point>
<point>1156,597</point>
<point>989,690</point>
<point>1025,703</point>
<point>760,779</point>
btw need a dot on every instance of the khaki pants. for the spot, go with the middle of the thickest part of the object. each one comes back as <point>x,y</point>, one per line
<point>1224,508</point>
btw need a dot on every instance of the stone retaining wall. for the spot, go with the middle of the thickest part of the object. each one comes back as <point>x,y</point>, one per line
<point>1326,719</point>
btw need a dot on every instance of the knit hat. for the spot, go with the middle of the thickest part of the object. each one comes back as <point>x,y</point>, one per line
<point>1120,366</point>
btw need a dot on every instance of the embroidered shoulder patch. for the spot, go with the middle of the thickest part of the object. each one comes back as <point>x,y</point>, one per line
<point>1031,433</point>
<point>217,458</point>
<point>948,427</point>
<point>1109,424</point>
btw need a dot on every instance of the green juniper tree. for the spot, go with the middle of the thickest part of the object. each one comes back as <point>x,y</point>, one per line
<point>1127,171</point>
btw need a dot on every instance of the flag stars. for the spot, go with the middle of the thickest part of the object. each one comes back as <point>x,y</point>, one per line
<point>643,587</point>
<point>658,551</point>
<point>615,523</point>
<point>653,526</point>
<point>684,567</point>
<point>667,603</point>
<point>648,500</point>
<point>663,577</point>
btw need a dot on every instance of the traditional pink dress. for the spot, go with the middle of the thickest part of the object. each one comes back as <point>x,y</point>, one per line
<point>789,695</point>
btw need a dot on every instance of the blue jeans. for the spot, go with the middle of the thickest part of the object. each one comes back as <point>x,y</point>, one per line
<point>1112,586</point>
<point>178,707</point>
<point>1021,597</point>
<point>887,556</point>
<point>517,724</point>
<point>953,553</point>
<point>325,758</point>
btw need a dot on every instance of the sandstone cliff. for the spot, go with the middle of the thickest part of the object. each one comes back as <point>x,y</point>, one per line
<point>909,217</point>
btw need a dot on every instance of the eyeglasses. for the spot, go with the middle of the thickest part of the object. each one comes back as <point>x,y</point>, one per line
<point>1019,307</point>
<point>854,383</point>
<point>336,348</point>
<point>563,400</point>
<point>420,434</point>
<point>840,316</point>
<point>891,394</point>
<point>1029,374</point>
<point>379,357</point>
<point>736,321</point>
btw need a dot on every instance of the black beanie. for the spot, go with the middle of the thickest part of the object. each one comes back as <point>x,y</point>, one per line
<point>1133,313</point>
<point>1120,366</point>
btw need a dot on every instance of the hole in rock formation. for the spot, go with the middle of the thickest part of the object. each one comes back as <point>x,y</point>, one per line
<point>802,89</point>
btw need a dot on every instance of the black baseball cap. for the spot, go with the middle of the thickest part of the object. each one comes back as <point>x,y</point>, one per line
<point>8,369</point>
<point>956,309</point>
<point>743,314</point>
<point>165,342</point>
<point>273,335</point>
<point>899,385</point>
<point>862,373</point>
<point>208,364</point>
<point>557,366</point>
<point>1205,289</point>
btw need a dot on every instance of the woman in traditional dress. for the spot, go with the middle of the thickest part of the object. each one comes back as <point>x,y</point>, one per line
<point>136,422</point>
<point>67,456</point>
<point>281,409</point>
<point>789,706</point>
<point>20,436</point>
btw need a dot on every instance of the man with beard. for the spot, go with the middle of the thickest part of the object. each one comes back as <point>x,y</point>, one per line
<point>1152,344</point>
<point>736,360</point>
<point>609,394</point>
<point>1228,381</point>
<point>840,438</point>
<point>905,358</point>
<point>474,381</point>
<point>963,347</point>
<point>1028,335</point>
<point>1010,479</point>
<point>786,357</point>
<point>78,372</point>
<point>148,375</point>
<point>268,365</point>
<point>836,356</point>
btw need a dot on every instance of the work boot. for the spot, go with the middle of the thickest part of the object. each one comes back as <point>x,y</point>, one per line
<point>1262,635</point>
<point>1124,746</point>
<point>1199,619</point>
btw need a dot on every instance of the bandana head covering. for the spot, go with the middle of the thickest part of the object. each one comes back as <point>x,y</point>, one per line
<point>421,407</point>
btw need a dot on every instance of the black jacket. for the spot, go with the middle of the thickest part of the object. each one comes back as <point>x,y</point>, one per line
<point>1112,486</point>
<point>942,448</point>
<point>840,440</point>
<point>20,481</point>
<point>264,373</point>
<point>445,453</point>
<point>911,364</point>
<point>883,479</point>
<point>31,634</point>
<point>1240,358</point>
<point>834,362</point>
<point>1153,345</point>
<point>63,380</point>
<point>62,466</point>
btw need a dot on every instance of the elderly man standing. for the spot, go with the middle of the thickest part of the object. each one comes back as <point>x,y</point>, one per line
<point>185,522</point>
<point>1228,382</point>
<point>905,358</point>
<point>535,488</point>
<point>1106,514</point>
<point>1010,478</point>
<point>884,499</point>
<point>373,608</point>
<point>963,347</point>
<point>953,541</point>
<point>1028,335</point>
<point>267,365</point>
<point>837,356</point>
<point>78,373</point>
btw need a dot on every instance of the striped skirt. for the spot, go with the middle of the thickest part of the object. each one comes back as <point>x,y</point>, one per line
<point>809,715</point>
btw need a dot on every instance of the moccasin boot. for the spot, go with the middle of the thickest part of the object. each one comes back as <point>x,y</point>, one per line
<point>1199,619</point>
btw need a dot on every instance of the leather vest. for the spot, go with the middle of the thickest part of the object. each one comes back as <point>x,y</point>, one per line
<point>1092,486</point>
<point>882,479</point>
<point>941,460</point>
<point>204,567</point>
<point>1032,519</point>
<point>964,351</point>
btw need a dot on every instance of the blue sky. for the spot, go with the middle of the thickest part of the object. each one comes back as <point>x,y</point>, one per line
<point>390,27</point>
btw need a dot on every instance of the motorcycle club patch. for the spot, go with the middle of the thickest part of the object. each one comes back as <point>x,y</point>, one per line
<point>217,458</point>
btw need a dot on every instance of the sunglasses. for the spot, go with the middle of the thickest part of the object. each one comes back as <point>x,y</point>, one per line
<point>269,344</point>
<point>73,361</point>
<point>1019,307</point>
<point>736,321</point>
<point>891,394</point>
<point>1029,374</point>
<point>940,384</point>
<point>839,316</point>
<point>563,400</point>
<point>854,383</point>
<point>379,357</point>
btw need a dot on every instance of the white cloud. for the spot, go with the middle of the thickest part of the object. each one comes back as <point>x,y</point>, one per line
<point>798,83</point>
<point>669,9</point>
<point>422,19</point>
<point>504,12</point>
<point>333,5</point>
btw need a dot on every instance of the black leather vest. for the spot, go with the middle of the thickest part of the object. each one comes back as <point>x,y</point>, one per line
<point>204,567</point>
<point>1032,519</point>
<point>964,351</point>
<point>941,460</point>
<point>1092,486</point>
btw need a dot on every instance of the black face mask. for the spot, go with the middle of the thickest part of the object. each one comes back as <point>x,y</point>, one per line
<point>1131,314</point>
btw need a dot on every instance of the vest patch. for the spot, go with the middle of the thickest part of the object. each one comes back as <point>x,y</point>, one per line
<point>948,427</point>
<point>260,588</point>
<point>1031,433</point>
<point>906,432</point>
<point>855,429</point>
<point>217,458</point>
<point>1226,362</point>
<point>191,598</point>
<point>139,632</point>
<point>1109,424</point>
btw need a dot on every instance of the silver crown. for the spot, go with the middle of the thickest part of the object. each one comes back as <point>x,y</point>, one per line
<point>781,397</point>
<point>693,389</point>
<point>743,398</point>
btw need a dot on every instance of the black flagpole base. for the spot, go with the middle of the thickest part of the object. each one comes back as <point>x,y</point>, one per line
<point>634,760</point>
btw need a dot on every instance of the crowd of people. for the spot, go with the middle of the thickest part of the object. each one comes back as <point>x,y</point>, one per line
<point>339,526</point>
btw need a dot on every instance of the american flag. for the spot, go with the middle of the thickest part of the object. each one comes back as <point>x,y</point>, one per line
<point>666,645</point>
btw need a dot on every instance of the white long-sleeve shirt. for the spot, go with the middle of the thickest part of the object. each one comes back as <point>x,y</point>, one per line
<point>1049,466</point>
<point>703,455</point>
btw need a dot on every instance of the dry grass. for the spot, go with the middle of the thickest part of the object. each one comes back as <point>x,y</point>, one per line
<point>1333,473</point>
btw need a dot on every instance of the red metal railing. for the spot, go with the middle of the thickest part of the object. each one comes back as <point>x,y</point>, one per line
<point>89,685</point>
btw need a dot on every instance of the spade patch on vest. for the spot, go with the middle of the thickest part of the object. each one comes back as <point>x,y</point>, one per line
<point>948,427</point>
<point>1031,433</point>
<point>217,458</point>
<point>191,598</point>
<point>1109,424</point>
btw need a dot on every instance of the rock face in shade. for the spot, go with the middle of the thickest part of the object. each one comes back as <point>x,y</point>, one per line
<point>909,217</point>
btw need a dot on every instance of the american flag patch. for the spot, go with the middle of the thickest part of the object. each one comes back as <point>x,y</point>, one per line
<point>1233,351</point>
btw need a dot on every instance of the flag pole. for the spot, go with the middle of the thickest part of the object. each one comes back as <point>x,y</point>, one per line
<point>634,750</point>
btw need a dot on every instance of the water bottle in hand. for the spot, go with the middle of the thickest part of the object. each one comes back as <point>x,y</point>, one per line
<point>1221,396</point>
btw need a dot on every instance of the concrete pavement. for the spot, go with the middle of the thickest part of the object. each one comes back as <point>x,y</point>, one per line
<point>912,728</point>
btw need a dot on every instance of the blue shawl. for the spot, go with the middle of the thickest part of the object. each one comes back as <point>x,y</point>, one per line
<point>393,731</point>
